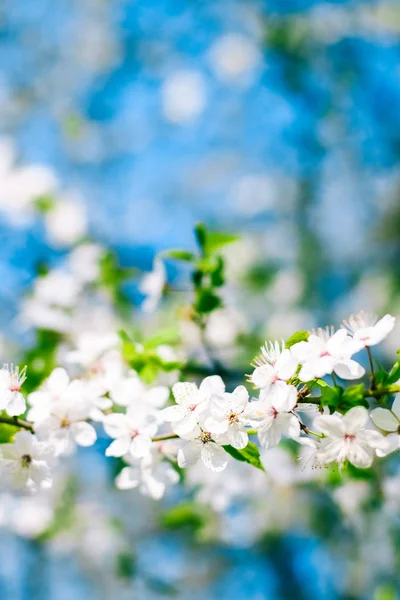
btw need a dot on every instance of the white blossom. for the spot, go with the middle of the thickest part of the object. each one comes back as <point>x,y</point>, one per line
<point>191,402</point>
<point>25,463</point>
<point>388,420</point>
<point>274,417</point>
<point>325,352</point>
<point>348,438</point>
<point>367,329</point>
<point>152,286</point>
<point>132,432</point>
<point>275,365</point>
<point>228,417</point>
<point>132,389</point>
<point>11,398</point>
<point>204,448</point>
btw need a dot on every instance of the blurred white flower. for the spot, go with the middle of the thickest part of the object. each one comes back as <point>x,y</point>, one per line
<point>132,389</point>
<point>235,58</point>
<point>152,286</point>
<point>132,432</point>
<point>84,262</point>
<point>183,96</point>
<point>388,420</point>
<point>57,288</point>
<point>275,366</point>
<point>66,222</point>
<point>26,462</point>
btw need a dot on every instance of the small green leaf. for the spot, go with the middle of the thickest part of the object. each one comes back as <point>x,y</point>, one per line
<point>217,276</point>
<point>186,515</point>
<point>184,255</point>
<point>394,374</point>
<point>207,302</point>
<point>201,235</point>
<point>330,396</point>
<point>250,454</point>
<point>299,336</point>
<point>381,377</point>
<point>215,240</point>
<point>166,337</point>
<point>354,394</point>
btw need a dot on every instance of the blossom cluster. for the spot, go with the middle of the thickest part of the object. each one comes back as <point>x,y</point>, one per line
<point>155,434</point>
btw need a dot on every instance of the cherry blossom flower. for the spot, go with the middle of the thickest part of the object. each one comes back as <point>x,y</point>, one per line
<point>132,432</point>
<point>228,417</point>
<point>367,329</point>
<point>325,352</point>
<point>191,403</point>
<point>388,420</point>
<point>204,448</point>
<point>66,426</point>
<point>26,462</point>
<point>11,381</point>
<point>151,474</point>
<point>274,417</point>
<point>132,389</point>
<point>348,438</point>
<point>275,366</point>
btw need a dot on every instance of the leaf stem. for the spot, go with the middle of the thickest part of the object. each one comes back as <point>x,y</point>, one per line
<point>371,364</point>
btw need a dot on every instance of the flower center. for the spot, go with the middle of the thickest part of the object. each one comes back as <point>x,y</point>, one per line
<point>26,461</point>
<point>326,353</point>
<point>192,407</point>
<point>274,412</point>
<point>205,437</point>
<point>65,423</point>
<point>233,418</point>
<point>349,436</point>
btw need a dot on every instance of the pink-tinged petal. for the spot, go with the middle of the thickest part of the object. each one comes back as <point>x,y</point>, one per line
<point>384,419</point>
<point>211,386</point>
<point>83,433</point>
<point>185,393</point>
<point>116,425</point>
<point>171,414</point>
<point>214,457</point>
<point>324,366</point>
<point>286,365</point>
<point>189,455</point>
<point>382,328</point>
<point>330,425</point>
<point>127,479</point>
<point>237,436</point>
<point>16,404</point>
<point>355,419</point>
<point>349,369</point>
<point>119,447</point>
<point>360,456</point>
<point>263,376</point>
<point>141,446</point>
<point>396,406</point>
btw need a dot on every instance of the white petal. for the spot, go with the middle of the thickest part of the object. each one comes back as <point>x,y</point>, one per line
<point>58,381</point>
<point>286,365</point>
<point>141,446</point>
<point>83,433</point>
<point>269,434</point>
<point>284,398</point>
<point>239,398</point>
<point>127,479</point>
<point>301,351</point>
<point>392,443</point>
<point>116,425</point>
<point>384,419</point>
<point>119,447</point>
<point>330,425</point>
<point>262,376</point>
<point>214,425</point>
<point>188,455</point>
<point>355,419</point>
<point>211,386</point>
<point>157,396</point>
<point>348,369</point>
<point>382,328</point>
<point>185,393</point>
<point>173,413</point>
<point>214,457</point>
<point>237,436</point>
<point>360,456</point>
<point>186,426</point>
<point>396,406</point>
<point>16,404</point>
<point>24,442</point>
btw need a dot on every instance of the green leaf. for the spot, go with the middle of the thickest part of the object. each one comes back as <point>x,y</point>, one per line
<point>381,377</point>
<point>207,301</point>
<point>354,394</point>
<point>250,454</point>
<point>215,240</point>
<point>200,234</point>
<point>184,255</point>
<point>330,396</point>
<point>217,276</point>
<point>299,336</point>
<point>394,374</point>
<point>166,337</point>
<point>185,515</point>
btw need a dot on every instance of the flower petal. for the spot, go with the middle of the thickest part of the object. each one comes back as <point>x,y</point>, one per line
<point>189,455</point>
<point>384,419</point>
<point>83,433</point>
<point>119,447</point>
<point>346,368</point>
<point>214,457</point>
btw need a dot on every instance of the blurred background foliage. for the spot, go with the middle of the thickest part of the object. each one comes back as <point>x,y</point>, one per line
<point>276,120</point>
